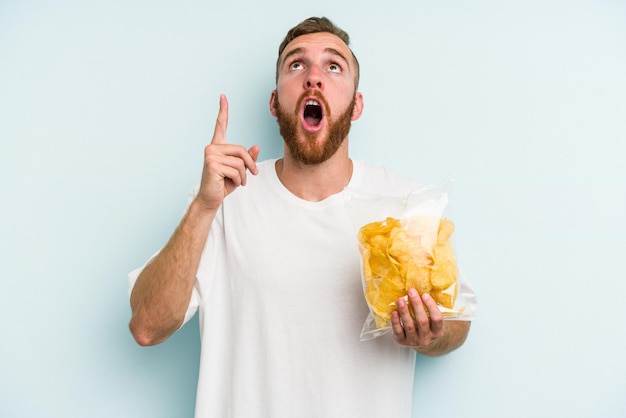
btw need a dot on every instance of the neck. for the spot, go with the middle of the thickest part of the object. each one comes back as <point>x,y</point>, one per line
<point>315,182</point>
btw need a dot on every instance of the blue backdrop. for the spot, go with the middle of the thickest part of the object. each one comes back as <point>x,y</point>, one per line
<point>105,108</point>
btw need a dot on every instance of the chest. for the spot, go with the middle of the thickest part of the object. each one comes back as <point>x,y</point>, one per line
<point>289,252</point>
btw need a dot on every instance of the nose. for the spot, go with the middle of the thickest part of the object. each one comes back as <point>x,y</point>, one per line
<point>314,78</point>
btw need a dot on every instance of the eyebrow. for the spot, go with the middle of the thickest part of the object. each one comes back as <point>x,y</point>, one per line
<point>331,51</point>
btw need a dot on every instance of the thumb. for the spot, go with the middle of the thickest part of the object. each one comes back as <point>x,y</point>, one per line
<point>254,152</point>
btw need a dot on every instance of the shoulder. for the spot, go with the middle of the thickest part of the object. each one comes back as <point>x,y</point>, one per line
<point>378,179</point>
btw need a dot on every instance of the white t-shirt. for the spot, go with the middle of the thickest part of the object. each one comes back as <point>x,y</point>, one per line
<point>281,308</point>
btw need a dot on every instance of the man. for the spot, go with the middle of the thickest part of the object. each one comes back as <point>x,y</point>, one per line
<point>266,253</point>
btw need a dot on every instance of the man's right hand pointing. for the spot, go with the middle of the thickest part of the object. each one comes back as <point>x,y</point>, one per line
<point>225,165</point>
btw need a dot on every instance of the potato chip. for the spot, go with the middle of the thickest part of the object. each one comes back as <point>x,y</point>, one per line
<point>444,270</point>
<point>446,297</point>
<point>418,278</point>
<point>396,258</point>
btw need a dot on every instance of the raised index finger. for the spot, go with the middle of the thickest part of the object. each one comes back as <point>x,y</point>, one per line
<point>219,134</point>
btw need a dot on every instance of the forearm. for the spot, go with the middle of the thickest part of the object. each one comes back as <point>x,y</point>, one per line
<point>454,335</point>
<point>161,294</point>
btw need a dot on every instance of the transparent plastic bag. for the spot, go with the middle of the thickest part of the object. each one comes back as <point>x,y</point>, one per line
<point>406,242</point>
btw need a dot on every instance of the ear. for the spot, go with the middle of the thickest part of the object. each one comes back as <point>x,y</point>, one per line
<point>358,106</point>
<point>273,103</point>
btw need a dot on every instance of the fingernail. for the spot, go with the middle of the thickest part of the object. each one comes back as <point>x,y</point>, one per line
<point>412,292</point>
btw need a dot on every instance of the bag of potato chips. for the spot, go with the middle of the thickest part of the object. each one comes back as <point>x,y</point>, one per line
<point>405,242</point>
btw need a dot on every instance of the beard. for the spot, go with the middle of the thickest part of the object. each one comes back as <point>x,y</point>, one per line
<point>308,147</point>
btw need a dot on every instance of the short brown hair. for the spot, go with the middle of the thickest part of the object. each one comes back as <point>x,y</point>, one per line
<point>317,25</point>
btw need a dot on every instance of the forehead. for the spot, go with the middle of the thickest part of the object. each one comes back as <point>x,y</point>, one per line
<point>318,42</point>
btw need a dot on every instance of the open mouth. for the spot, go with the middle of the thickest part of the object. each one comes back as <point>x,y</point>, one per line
<point>312,113</point>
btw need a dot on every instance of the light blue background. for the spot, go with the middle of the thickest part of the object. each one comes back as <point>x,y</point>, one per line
<point>105,108</point>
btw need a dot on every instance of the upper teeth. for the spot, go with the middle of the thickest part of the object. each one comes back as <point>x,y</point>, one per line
<point>312,103</point>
